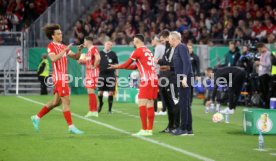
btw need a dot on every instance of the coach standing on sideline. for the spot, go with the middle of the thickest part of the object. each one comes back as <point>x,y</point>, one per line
<point>168,90</point>
<point>107,77</point>
<point>183,70</point>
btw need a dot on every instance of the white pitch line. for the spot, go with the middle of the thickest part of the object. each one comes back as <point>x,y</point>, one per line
<point>127,114</point>
<point>130,115</point>
<point>194,155</point>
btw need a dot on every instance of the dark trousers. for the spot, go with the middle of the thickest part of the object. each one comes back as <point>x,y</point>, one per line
<point>170,98</point>
<point>185,108</point>
<point>272,86</point>
<point>161,96</point>
<point>192,95</point>
<point>235,91</point>
<point>233,96</point>
<point>264,87</point>
<point>43,85</point>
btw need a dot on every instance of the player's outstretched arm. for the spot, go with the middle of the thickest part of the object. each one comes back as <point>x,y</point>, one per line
<point>125,65</point>
<point>132,67</point>
<point>78,53</point>
<point>54,57</point>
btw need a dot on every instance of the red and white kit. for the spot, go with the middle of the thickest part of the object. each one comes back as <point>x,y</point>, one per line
<point>60,71</point>
<point>149,81</point>
<point>92,73</point>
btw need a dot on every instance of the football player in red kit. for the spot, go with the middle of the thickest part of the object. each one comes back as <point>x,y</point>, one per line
<point>58,53</point>
<point>91,61</point>
<point>148,82</point>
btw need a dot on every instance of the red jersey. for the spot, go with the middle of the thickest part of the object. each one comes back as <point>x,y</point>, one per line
<point>60,66</point>
<point>90,60</point>
<point>270,29</point>
<point>144,60</point>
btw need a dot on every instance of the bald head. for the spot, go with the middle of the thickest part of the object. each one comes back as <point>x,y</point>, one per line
<point>174,38</point>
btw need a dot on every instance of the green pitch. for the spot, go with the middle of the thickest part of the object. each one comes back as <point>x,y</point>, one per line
<point>108,138</point>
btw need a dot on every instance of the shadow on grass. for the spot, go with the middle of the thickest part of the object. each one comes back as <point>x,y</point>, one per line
<point>235,132</point>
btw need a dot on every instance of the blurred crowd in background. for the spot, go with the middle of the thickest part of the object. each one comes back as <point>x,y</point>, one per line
<point>199,21</point>
<point>17,15</point>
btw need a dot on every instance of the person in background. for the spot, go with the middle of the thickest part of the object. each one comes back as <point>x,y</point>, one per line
<point>208,89</point>
<point>43,73</point>
<point>273,72</point>
<point>233,55</point>
<point>107,77</point>
<point>159,50</point>
<point>238,77</point>
<point>264,72</point>
<point>195,66</point>
<point>246,59</point>
<point>91,61</point>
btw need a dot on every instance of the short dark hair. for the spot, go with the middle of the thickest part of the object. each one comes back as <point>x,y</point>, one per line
<point>89,38</point>
<point>232,42</point>
<point>49,30</point>
<point>165,33</point>
<point>209,69</point>
<point>260,45</point>
<point>140,37</point>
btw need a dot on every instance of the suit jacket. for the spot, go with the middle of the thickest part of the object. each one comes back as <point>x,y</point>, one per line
<point>182,61</point>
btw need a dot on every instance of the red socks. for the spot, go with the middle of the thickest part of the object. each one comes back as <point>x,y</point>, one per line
<point>150,117</point>
<point>147,117</point>
<point>93,103</point>
<point>68,117</point>
<point>43,112</point>
<point>143,117</point>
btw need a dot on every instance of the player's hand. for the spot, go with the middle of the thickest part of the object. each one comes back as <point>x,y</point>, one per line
<point>113,66</point>
<point>184,82</point>
<point>91,67</point>
<point>155,60</point>
<point>165,68</point>
<point>68,47</point>
<point>80,47</point>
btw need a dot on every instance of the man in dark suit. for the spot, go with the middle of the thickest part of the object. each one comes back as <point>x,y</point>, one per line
<point>183,70</point>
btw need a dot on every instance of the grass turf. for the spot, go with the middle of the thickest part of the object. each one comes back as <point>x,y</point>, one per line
<point>19,141</point>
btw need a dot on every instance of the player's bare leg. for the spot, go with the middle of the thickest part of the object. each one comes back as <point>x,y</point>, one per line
<point>93,111</point>
<point>45,109</point>
<point>67,115</point>
<point>54,103</point>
